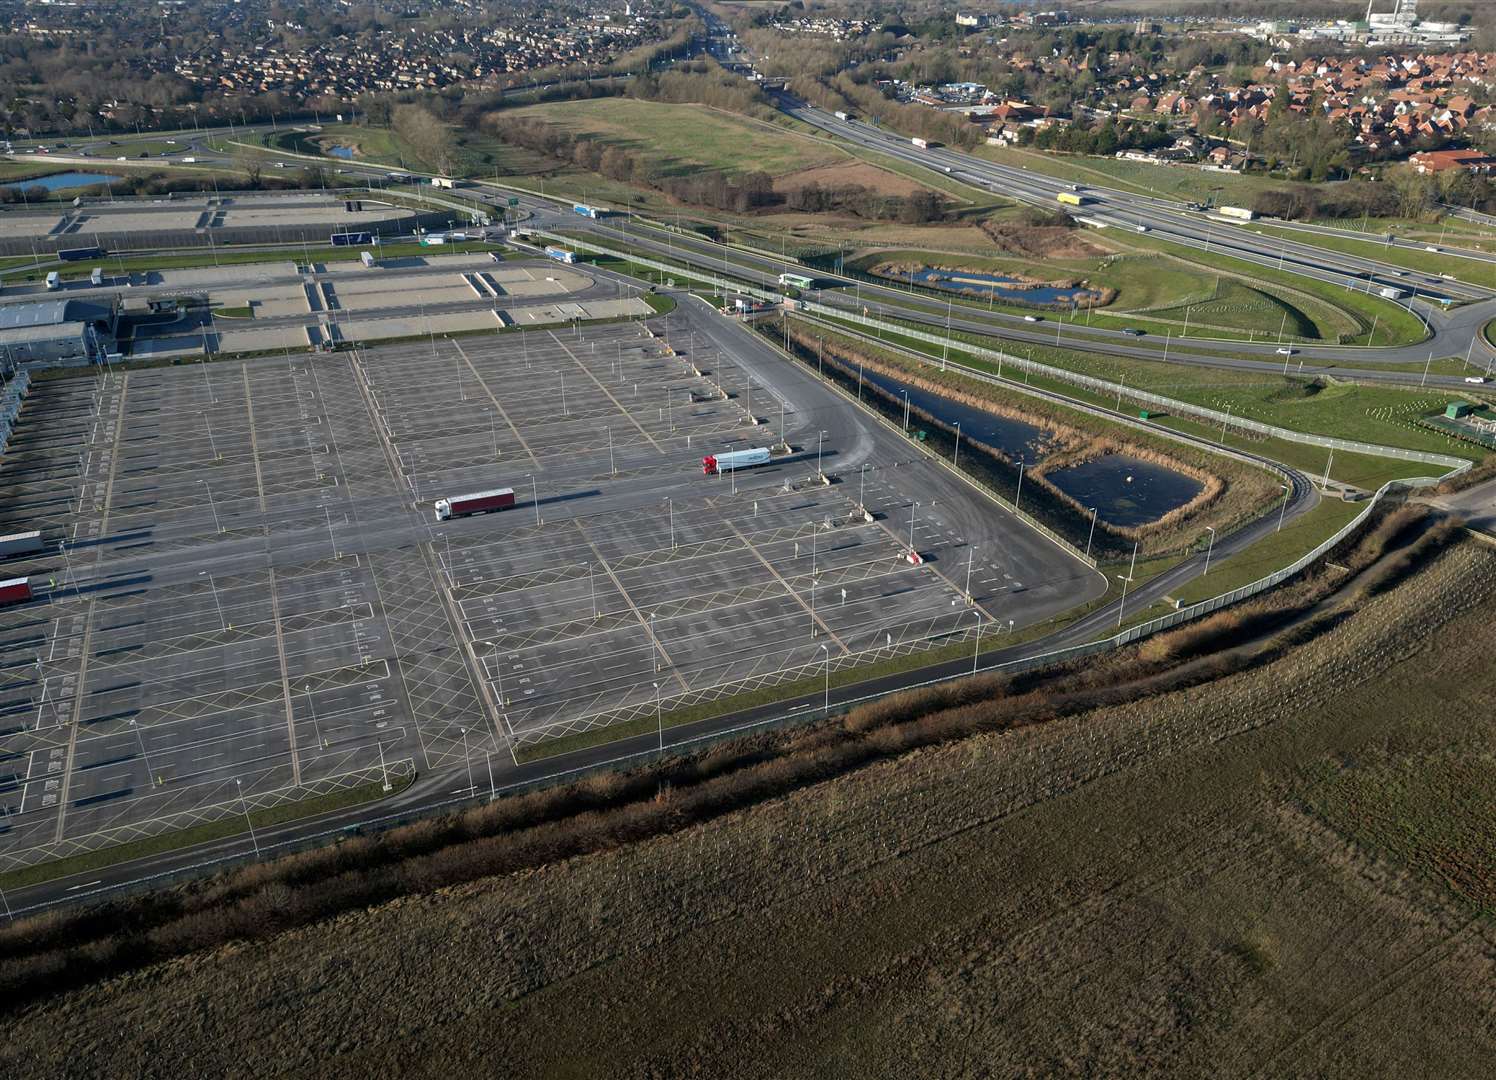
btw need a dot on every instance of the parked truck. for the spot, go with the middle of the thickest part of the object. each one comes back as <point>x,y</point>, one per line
<point>478,502</point>
<point>15,590</point>
<point>21,543</point>
<point>713,464</point>
<point>1239,212</point>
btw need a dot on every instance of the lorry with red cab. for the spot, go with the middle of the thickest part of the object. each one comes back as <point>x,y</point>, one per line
<point>713,464</point>
<point>478,502</point>
<point>15,590</point>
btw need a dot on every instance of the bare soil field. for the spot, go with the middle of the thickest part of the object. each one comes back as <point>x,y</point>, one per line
<point>859,173</point>
<point>1041,241</point>
<point>1246,877</point>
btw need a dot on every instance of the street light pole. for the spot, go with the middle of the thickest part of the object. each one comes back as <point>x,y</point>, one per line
<point>535,498</point>
<point>150,774</point>
<point>247,819</point>
<point>826,701</point>
<point>312,708</point>
<point>659,719</point>
<point>1090,535</point>
<point>1286,490</point>
<point>956,457</point>
<point>222,625</point>
<point>1122,606</point>
<point>212,505</point>
<point>1208,549</point>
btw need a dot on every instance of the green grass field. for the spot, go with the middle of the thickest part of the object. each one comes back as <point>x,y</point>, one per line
<point>682,139</point>
<point>28,169</point>
<point>1374,414</point>
<point>1382,321</point>
<point>1156,294</point>
<point>1183,182</point>
<point>232,257</point>
<point>1273,552</point>
<point>1472,271</point>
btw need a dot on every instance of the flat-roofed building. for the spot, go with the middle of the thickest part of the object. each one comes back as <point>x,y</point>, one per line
<point>56,332</point>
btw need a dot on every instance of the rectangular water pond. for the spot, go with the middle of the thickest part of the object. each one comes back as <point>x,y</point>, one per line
<point>975,283</point>
<point>1015,438</point>
<point>1126,491</point>
<point>62,181</point>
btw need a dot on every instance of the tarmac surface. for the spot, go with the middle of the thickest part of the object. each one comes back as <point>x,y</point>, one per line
<point>253,602</point>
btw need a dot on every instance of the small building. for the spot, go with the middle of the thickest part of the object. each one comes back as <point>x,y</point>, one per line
<point>57,332</point>
<point>1437,161</point>
<point>1457,410</point>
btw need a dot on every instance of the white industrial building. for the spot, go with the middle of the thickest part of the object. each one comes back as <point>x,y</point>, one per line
<point>57,332</point>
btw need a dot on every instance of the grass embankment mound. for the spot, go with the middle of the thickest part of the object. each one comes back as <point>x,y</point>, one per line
<point>1158,293</point>
<point>677,140</point>
<point>927,903</point>
<point>1231,492</point>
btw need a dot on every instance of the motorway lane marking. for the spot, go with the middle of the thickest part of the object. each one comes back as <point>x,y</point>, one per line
<point>285,679</point>
<point>903,546</point>
<point>493,398</point>
<point>629,600</point>
<point>253,442</point>
<point>797,597</point>
<point>627,415</point>
<point>72,745</point>
<point>119,429</point>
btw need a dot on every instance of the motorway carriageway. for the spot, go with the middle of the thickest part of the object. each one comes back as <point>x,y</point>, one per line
<point>895,303</point>
<point>1127,211</point>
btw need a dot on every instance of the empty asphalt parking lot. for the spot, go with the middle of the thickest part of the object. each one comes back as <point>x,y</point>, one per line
<point>247,599</point>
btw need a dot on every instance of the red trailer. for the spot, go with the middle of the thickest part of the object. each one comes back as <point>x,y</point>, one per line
<point>477,502</point>
<point>15,590</point>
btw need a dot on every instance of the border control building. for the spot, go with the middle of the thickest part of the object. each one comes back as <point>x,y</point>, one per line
<point>57,332</point>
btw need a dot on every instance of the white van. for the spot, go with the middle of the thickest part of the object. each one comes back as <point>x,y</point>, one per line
<point>1477,379</point>
<point>54,281</point>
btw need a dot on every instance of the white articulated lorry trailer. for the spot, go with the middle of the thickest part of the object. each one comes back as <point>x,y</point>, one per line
<point>713,464</point>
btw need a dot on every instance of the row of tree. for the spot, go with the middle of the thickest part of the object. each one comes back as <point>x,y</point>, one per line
<point>713,188</point>
<point>1106,138</point>
<point>851,92</point>
<point>917,208</point>
<point>1403,192</point>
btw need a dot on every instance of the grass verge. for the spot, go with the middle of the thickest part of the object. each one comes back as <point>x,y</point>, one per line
<point>198,834</point>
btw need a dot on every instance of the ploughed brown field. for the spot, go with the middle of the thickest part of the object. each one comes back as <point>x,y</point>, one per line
<point>1286,871</point>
